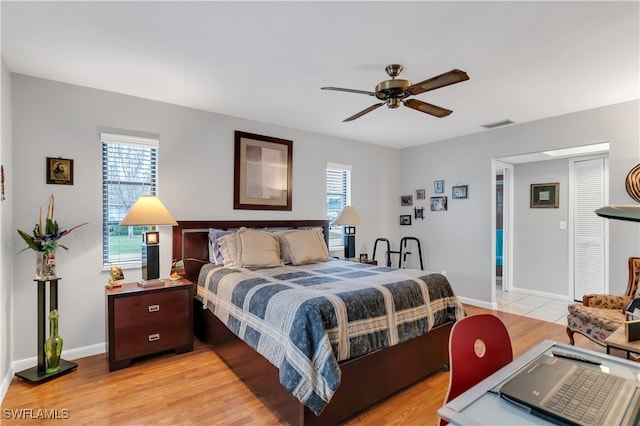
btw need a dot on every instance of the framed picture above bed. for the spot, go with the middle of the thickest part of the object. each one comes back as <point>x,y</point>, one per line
<point>262,172</point>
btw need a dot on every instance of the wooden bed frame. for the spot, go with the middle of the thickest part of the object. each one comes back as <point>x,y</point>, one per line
<point>365,380</point>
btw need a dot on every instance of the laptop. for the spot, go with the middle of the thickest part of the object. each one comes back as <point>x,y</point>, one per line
<point>570,392</point>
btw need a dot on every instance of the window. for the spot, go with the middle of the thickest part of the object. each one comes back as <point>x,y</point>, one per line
<point>129,170</point>
<point>338,196</point>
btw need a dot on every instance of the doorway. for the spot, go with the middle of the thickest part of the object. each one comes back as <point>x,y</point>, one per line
<point>499,225</point>
<point>503,226</point>
<point>505,166</point>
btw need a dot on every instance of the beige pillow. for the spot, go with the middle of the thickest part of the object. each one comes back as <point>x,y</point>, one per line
<point>229,247</point>
<point>284,246</point>
<point>258,248</point>
<point>306,246</point>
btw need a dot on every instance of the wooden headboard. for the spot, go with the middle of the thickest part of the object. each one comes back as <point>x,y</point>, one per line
<point>191,237</point>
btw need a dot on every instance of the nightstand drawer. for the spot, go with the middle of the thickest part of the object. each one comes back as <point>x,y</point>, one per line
<point>165,306</point>
<point>150,338</point>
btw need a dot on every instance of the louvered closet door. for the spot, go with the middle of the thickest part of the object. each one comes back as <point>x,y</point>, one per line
<point>589,229</point>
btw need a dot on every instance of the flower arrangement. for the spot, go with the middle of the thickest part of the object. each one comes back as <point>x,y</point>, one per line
<point>46,239</point>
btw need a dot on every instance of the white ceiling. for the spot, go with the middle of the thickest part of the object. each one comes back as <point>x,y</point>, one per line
<point>266,61</point>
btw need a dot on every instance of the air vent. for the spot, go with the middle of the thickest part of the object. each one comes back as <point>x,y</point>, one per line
<point>497,124</point>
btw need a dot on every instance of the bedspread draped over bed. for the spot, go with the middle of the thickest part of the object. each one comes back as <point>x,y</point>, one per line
<point>304,319</point>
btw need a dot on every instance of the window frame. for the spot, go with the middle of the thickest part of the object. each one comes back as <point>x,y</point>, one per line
<point>112,211</point>
<point>336,232</point>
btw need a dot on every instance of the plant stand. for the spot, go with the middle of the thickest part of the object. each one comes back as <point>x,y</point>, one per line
<point>38,373</point>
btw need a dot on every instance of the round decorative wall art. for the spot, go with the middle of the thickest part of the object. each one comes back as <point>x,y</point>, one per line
<point>633,183</point>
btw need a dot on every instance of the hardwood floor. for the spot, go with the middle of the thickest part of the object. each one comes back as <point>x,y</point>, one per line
<point>197,388</point>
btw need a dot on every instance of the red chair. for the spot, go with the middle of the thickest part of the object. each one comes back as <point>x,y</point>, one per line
<point>479,345</point>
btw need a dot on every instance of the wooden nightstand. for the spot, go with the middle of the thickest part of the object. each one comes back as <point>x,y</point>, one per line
<point>144,321</point>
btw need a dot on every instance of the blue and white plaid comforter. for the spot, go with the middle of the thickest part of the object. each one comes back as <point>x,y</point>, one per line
<point>305,319</point>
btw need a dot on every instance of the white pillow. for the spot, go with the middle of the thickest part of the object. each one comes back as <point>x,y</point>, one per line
<point>258,248</point>
<point>306,246</point>
<point>229,247</point>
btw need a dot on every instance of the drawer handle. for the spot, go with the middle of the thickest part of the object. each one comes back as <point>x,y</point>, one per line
<point>154,308</point>
<point>154,337</point>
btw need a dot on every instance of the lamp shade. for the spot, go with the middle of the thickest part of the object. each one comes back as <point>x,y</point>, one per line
<point>148,210</point>
<point>348,216</point>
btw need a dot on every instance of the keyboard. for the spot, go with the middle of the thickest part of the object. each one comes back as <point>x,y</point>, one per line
<point>585,395</point>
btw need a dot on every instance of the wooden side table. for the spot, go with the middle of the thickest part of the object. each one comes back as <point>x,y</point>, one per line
<point>618,340</point>
<point>365,261</point>
<point>148,320</point>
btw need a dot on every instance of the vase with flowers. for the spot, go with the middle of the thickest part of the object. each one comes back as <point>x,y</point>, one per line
<point>44,240</point>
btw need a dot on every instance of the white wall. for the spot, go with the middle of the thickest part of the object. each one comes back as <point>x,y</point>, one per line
<point>459,241</point>
<point>6,232</point>
<point>53,119</point>
<point>537,233</point>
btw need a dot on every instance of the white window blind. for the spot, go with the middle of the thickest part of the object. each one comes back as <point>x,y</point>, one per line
<point>129,170</point>
<point>338,196</point>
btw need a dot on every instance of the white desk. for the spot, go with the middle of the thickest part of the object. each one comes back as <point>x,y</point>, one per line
<point>482,405</point>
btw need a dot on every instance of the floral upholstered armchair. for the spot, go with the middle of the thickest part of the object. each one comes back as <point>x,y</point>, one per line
<point>600,315</point>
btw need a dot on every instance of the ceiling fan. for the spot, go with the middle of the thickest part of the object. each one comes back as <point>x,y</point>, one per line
<point>395,91</point>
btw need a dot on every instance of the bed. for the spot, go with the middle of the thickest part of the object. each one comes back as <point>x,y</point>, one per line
<point>340,388</point>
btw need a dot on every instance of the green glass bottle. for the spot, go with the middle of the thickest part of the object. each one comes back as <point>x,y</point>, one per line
<point>53,345</point>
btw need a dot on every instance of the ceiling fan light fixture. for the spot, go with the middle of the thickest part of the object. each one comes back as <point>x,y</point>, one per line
<point>394,103</point>
<point>395,92</point>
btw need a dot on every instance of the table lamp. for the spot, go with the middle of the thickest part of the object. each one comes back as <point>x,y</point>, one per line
<point>149,211</point>
<point>349,217</point>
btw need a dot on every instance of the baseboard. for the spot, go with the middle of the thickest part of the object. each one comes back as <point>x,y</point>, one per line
<point>69,355</point>
<point>6,381</point>
<point>479,303</point>
<point>542,294</point>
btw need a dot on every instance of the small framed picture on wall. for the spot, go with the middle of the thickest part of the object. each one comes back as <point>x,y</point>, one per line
<point>545,195</point>
<point>406,200</point>
<point>459,192</point>
<point>438,187</point>
<point>59,171</point>
<point>438,204</point>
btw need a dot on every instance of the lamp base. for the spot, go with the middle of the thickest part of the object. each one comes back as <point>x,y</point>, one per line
<point>150,261</point>
<point>151,283</point>
<point>349,241</point>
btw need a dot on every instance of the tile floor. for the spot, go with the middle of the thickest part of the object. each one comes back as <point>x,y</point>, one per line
<point>542,308</point>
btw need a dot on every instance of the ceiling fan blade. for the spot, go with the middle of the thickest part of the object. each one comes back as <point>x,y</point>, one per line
<point>451,77</point>
<point>363,112</point>
<point>340,89</point>
<point>434,110</point>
